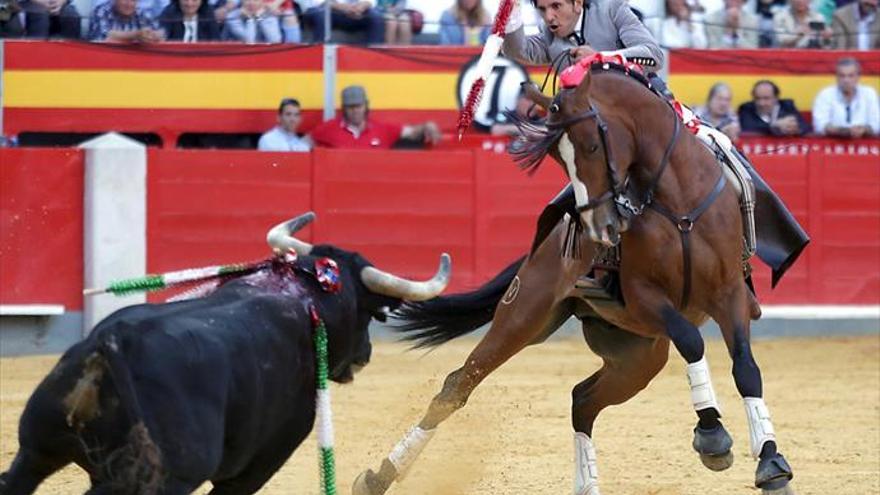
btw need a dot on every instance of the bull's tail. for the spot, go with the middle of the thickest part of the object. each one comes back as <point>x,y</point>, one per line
<point>136,467</point>
<point>439,320</point>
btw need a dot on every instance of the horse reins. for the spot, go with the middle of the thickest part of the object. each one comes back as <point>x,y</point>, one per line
<point>684,223</point>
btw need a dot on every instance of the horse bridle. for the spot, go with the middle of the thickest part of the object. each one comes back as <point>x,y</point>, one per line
<point>618,189</point>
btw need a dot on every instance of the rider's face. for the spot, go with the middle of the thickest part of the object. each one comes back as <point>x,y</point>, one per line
<point>560,16</point>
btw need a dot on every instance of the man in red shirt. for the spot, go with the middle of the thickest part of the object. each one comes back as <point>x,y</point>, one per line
<point>354,129</point>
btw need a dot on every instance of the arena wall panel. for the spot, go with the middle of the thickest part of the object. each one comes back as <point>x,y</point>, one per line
<point>401,209</point>
<point>41,226</point>
<point>212,207</point>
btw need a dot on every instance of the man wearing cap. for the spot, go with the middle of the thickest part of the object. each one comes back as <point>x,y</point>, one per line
<point>283,137</point>
<point>354,129</point>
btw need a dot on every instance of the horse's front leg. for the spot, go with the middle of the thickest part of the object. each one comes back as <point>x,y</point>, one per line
<point>773,472</point>
<point>522,317</point>
<point>711,439</point>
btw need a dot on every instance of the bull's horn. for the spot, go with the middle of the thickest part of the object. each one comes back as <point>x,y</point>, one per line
<point>280,237</point>
<point>390,285</point>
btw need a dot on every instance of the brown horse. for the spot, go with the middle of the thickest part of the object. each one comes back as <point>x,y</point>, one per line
<point>680,237</point>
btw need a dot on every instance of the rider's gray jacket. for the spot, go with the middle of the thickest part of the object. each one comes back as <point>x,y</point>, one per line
<point>606,25</point>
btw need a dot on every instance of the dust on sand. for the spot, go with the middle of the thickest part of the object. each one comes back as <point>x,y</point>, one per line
<point>514,436</point>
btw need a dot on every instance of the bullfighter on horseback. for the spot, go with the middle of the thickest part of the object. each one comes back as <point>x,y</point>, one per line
<point>578,31</point>
<point>665,292</point>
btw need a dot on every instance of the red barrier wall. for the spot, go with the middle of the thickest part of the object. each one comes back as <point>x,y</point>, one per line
<point>400,209</point>
<point>41,227</point>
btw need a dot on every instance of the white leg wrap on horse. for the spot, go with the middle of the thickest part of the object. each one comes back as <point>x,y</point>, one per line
<point>760,426</point>
<point>702,393</point>
<point>407,450</point>
<point>586,472</point>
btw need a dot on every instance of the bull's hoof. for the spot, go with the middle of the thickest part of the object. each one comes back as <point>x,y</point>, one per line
<point>368,483</point>
<point>714,447</point>
<point>773,475</point>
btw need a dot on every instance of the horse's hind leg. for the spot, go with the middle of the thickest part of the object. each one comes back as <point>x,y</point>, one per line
<point>773,472</point>
<point>630,362</point>
<point>517,323</point>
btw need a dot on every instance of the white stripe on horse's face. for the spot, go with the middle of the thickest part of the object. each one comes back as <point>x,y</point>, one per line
<point>566,151</point>
<point>581,195</point>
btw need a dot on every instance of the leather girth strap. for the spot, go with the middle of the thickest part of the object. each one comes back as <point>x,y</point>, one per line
<point>685,224</point>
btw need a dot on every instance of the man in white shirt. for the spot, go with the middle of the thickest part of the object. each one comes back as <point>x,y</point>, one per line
<point>283,137</point>
<point>847,109</point>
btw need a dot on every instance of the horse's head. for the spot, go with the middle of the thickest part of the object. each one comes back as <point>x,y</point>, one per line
<point>578,138</point>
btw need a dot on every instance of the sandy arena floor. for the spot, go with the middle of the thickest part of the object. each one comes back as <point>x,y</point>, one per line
<point>514,436</point>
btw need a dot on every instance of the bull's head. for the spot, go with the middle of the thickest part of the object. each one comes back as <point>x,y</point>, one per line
<point>367,293</point>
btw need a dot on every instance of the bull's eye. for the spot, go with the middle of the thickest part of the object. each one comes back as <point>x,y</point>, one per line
<point>594,148</point>
<point>554,107</point>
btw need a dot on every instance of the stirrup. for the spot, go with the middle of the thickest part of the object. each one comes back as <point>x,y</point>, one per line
<point>595,288</point>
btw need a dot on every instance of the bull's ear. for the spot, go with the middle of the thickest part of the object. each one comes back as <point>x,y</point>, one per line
<point>534,94</point>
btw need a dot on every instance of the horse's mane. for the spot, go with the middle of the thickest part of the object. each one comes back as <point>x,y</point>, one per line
<point>533,144</point>
<point>535,140</point>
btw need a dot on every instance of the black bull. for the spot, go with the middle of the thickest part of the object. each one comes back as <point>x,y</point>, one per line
<point>161,398</point>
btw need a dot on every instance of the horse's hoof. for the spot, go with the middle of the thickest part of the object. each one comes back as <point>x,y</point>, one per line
<point>773,475</point>
<point>367,483</point>
<point>714,447</point>
<point>786,490</point>
<point>717,462</point>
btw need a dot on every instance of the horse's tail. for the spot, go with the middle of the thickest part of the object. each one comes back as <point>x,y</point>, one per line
<point>441,319</point>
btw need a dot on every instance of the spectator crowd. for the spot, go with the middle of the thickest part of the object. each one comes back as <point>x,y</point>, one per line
<point>845,109</point>
<point>713,24</point>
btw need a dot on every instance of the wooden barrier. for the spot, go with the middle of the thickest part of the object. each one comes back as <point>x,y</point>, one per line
<point>400,209</point>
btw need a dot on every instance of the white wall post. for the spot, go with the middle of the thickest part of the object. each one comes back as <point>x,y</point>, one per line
<point>114,221</point>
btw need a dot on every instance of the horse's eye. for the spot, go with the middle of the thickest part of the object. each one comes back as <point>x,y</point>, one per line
<point>594,148</point>
<point>554,107</point>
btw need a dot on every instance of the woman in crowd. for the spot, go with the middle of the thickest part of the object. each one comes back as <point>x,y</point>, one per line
<point>678,29</point>
<point>718,111</point>
<point>189,21</point>
<point>465,23</point>
<point>253,22</point>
